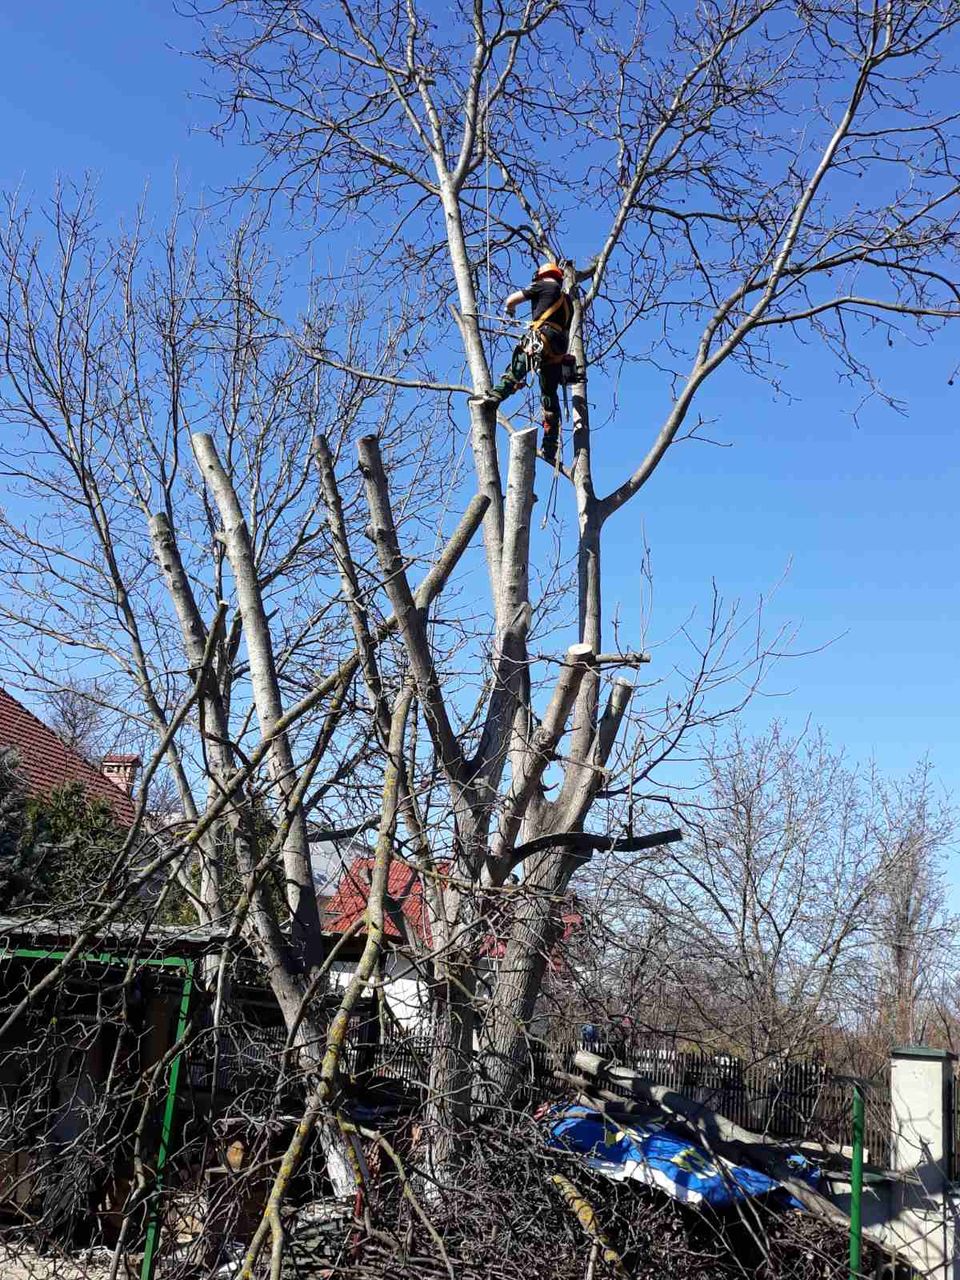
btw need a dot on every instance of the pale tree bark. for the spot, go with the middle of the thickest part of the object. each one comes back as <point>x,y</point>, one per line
<point>299,887</point>
<point>216,731</point>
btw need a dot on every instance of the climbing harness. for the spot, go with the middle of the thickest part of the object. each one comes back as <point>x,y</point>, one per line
<point>564,302</point>
<point>538,352</point>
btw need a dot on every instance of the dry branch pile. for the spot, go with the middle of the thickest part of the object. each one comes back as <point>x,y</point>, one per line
<point>505,1218</point>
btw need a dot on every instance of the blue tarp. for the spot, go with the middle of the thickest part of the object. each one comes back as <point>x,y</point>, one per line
<point>647,1151</point>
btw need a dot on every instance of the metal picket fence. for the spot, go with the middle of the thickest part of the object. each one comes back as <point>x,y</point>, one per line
<point>792,1099</point>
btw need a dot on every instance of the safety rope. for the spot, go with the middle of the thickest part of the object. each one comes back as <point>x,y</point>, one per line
<point>486,152</point>
<point>550,510</point>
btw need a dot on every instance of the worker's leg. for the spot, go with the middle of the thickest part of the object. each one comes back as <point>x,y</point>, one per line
<point>550,400</point>
<point>514,376</point>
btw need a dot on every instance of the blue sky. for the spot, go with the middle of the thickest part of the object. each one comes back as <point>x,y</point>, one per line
<point>860,518</point>
<point>102,87</point>
<point>862,514</point>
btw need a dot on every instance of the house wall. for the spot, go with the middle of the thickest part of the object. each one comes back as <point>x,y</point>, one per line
<point>403,989</point>
<point>406,993</point>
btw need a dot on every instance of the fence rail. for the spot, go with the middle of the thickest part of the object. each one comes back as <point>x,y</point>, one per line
<point>796,1100</point>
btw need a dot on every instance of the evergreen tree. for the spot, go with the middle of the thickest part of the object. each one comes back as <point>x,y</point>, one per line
<point>71,841</point>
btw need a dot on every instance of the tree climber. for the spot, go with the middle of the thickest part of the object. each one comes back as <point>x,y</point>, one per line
<point>543,348</point>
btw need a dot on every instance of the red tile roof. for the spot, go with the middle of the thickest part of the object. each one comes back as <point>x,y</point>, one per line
<point>47,763</point>
<point>404,899</point>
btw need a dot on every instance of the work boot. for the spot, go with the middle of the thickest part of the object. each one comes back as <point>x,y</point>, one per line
<point>507,387</point>
<point>551,438</point>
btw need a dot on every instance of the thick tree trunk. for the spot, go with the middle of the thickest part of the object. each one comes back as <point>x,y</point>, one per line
<point>535,925</point>
<point>534,931</point>
<point>452,1061</point>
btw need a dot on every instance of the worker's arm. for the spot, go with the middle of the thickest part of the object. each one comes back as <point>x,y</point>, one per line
<point>514,301</point>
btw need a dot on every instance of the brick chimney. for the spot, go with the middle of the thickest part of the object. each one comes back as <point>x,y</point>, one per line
<point>122,771</point>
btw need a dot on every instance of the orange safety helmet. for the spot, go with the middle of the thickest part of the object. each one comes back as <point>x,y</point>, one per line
<point>549,271</point>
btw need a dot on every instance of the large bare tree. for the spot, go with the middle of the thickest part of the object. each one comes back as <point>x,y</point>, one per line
<point>656,152</point>
<point>188,525</point>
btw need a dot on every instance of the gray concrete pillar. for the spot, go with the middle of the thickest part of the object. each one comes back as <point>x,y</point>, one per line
<point>922,1130</point>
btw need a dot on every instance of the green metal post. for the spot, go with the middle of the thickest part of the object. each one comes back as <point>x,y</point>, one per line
<point>166,1128</point>
<point>856,1183</point>
<point>153,1229</point>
